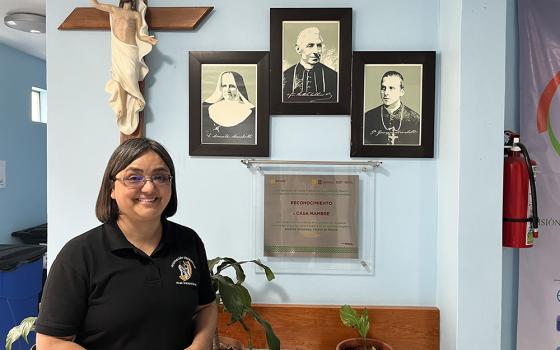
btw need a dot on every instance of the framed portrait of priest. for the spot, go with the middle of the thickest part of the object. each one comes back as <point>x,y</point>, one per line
<point>393,104</point>
<point>229,103</point>
<point>310,60</point>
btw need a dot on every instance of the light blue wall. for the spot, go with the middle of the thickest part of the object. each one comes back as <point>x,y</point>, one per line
<point>512,68</point>
<point>438,225</point>
<point>483,28</point>
<point>214,193</point>
<point>448,171</point>
<point>473,37</point>
<point>23,144</point>
<point>510,277</point>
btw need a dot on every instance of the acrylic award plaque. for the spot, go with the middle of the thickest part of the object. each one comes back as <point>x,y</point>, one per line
<point>314,217</point>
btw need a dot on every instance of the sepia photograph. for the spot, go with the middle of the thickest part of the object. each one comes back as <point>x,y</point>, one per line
<point>310,61</point>
<point>311,51</point>
<point>393,104</point>
<point>228,103</point>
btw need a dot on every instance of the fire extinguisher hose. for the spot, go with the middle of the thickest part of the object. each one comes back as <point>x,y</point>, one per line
<point>535,216</point>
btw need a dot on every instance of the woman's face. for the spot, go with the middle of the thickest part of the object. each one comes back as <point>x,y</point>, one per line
<point>229,89</point>
<point>145,202</point>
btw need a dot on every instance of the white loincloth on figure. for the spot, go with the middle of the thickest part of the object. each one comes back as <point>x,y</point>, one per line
<point>127,69</point>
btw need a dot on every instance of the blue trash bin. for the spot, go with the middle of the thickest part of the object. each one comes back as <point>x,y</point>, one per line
<point>21,275</point>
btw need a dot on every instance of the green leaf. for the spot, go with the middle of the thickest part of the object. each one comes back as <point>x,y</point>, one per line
<point>348,316</point>
<point>22,330</point>
<point>271,338</point>
<point>239,273</point>
<point>236,298</point>
<point>363,325</point>
<point>230,296</point>
<point>225,263</point>
<point>27,325</point>
<point>212,263</point>
<point>13,335</point>
<point>216,286</point>
<point>268,272</point>
<point>248,330</point>
<point>244,295</point>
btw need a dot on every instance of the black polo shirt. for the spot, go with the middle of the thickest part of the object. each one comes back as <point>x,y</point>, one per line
<point>111,295</point>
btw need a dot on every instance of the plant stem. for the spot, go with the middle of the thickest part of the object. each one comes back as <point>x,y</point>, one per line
<point>216,340</point>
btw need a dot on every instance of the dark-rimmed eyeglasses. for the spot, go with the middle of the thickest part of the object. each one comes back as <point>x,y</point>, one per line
<point>136,181</point>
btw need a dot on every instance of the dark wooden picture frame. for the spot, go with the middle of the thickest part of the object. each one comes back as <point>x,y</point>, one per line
<point>234,121</point>
<point>328,34</point>
<point>393,98</point>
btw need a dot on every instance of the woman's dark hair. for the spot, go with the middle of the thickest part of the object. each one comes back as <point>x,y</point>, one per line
<point>106,208</point>
<point>133,6</point>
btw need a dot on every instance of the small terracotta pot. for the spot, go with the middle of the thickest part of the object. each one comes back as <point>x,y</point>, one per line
<point>357,342</point>
<point>234,343</point>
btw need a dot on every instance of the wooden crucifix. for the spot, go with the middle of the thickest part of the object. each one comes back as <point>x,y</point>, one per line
<point>157,18</point>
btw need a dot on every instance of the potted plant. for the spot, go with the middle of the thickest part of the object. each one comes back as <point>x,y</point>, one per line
<point>236,300</point>
<point>350,318</point>
<point>22,330</point>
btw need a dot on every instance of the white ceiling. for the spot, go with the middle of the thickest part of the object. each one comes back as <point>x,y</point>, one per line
<point>33,44</point>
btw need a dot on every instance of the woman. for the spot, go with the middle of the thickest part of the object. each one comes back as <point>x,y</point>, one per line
<point>227,115</point>
<point>137,281</point>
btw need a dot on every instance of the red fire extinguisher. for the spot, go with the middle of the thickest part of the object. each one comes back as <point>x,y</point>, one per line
<point>520,219</point>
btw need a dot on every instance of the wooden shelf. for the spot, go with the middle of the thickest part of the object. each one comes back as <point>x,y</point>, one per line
<point>318,327</point>
<point>158,18</point>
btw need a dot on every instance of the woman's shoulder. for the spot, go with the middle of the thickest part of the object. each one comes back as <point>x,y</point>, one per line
<point>82,243</point>
<point>181,232</point>
<point>80,252</point>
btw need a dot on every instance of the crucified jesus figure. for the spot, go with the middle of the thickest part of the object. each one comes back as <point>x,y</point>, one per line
<point>130,42</point>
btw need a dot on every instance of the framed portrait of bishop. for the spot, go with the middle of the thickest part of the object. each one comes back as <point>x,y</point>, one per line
<point>393,104</point>
<point>311,51</point>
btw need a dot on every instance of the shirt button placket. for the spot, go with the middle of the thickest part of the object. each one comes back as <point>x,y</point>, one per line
<point>153,275</point>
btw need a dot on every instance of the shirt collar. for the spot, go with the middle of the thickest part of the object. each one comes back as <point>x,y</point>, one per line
<point>117,241</point>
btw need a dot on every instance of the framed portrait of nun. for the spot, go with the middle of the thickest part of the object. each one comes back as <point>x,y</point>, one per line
<point>229,111</point>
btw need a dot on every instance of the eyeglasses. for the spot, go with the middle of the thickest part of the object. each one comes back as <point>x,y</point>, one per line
<point>137,181</point>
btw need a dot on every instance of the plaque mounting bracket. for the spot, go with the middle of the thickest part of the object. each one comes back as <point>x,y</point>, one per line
<point>370,164</point>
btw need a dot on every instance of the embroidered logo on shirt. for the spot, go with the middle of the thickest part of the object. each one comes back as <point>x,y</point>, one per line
<point>184,267</point>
